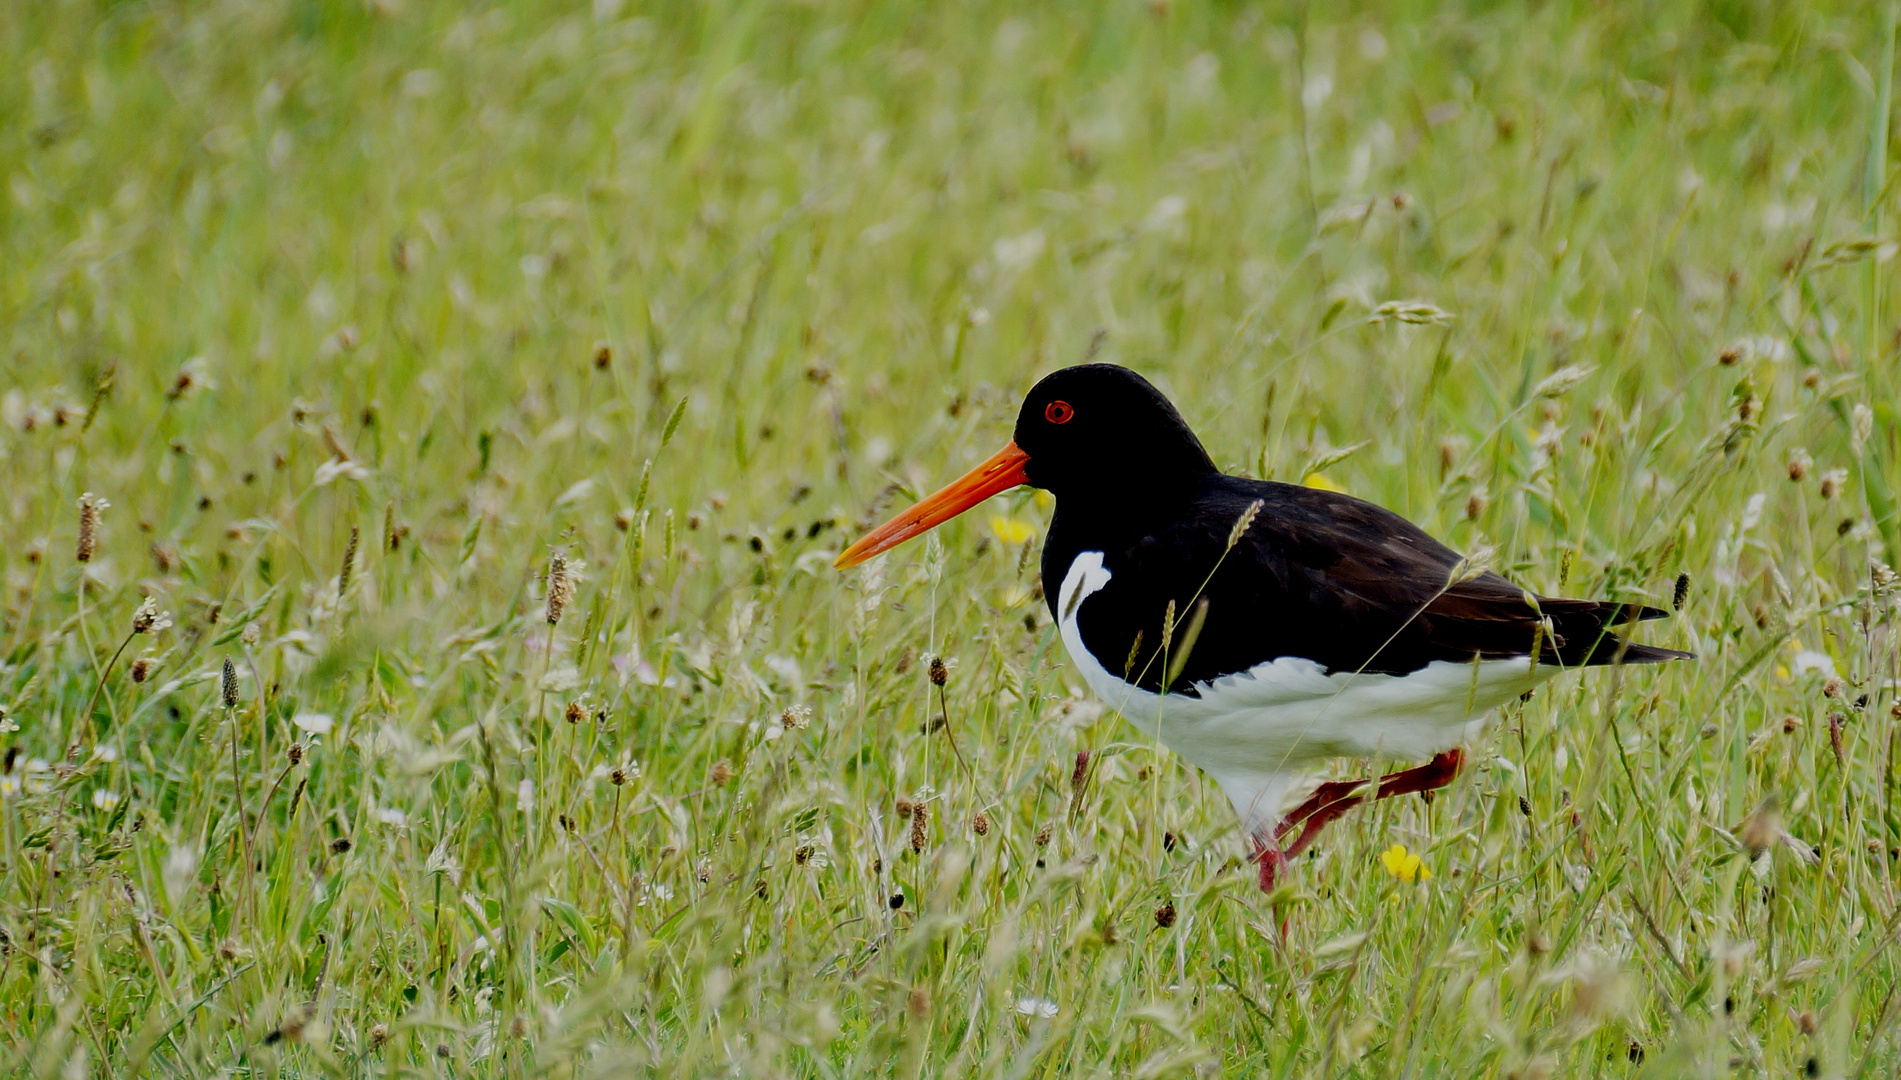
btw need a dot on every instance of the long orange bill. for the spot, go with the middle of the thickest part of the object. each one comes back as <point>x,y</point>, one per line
<point>1002,472</point>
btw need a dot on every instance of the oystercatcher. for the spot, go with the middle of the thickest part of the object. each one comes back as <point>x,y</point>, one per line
<point>1259,628</point>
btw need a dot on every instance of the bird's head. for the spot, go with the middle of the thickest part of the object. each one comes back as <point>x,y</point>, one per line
<point>1089,430</point>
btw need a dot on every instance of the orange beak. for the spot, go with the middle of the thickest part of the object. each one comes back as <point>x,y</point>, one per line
<point>1002,472</point>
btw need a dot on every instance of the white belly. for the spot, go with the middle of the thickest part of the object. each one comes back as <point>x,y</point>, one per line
<point>1254,731</point>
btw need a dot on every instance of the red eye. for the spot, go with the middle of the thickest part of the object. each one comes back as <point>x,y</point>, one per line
<point>1058,412</point>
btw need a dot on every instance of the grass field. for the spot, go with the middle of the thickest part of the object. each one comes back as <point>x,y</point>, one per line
<point>359,315</point>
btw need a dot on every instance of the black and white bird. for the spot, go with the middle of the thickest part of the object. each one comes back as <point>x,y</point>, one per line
<point>1258,628</point>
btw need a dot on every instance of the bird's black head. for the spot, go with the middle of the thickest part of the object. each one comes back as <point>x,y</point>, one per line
<point>1096,431</point>
<point>1103,428</point>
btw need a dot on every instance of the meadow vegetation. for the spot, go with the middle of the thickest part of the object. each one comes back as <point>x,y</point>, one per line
<point>428,429</point>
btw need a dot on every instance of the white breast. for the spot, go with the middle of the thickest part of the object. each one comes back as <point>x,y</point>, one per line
<point>1255,731</point>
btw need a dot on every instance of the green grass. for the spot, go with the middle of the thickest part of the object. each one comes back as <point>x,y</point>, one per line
<point>834,245</point>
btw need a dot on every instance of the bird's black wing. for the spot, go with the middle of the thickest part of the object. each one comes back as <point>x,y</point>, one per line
<point>1337,580</point>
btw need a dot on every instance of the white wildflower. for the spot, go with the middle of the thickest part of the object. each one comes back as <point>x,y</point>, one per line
<point>340,467</point>
<point>315,723</point>
<point>1809,660</point>
<point>181,869</point>
<point>1042,1008</point>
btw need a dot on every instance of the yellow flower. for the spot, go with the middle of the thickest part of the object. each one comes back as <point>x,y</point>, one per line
<point>1404,865</point>
<point>1010,530</point>
<point>1321,481</point>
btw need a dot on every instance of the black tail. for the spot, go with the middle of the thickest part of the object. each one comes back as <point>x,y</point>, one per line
<point>1585,637</point>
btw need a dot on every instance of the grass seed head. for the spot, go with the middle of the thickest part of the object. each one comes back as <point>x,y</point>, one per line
<point>980,823</point>
<point>1043,835</point>
<point>920,825</point>
<point>1681,593</point>
<point>574,713</point>
<point>148,619</point>
<point>228,684</point>
<point>1411,312</point>
<point>940,672</point>
<point>1833,481</point>
<point>349,562</point>
<point>1799,464</point>
<point>142,668</point>
<point>1165,916</point>
<point>1762,828</point>
<point>603,356</point>
<point>90,507</point>
<point>722,772</point>
<point>560,587</point>
<point>295,753</point>
<point>379,1034</point>
<point>1242,523</point>
<point>1561,381</point>
<point>1861,425</point>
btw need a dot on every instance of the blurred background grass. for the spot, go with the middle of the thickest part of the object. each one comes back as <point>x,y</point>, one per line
<point>444,280</point>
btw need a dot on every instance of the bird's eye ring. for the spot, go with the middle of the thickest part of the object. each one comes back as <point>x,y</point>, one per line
<point>1058,412</point>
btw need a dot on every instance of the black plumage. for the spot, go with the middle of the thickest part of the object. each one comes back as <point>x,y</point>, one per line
<point>1317,574</point>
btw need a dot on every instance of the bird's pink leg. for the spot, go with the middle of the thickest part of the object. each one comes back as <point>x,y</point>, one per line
<point>1267,847</point>
<point>1434,774</point>
<point>1267,853</point>
<point>1320,819</point>
<point>1330,792</point>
